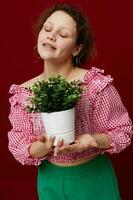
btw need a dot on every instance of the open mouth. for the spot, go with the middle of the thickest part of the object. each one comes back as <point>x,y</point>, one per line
<point>49,46</point>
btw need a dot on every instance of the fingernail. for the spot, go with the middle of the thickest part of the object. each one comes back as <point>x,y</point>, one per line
<point>55,154</point>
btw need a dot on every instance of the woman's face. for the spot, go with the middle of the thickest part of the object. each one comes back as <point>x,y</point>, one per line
<point>57,39</point>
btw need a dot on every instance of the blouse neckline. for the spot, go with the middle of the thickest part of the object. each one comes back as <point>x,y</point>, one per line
<point>18,88</point>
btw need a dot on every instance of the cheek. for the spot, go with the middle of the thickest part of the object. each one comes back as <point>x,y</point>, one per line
<point>38,40</point>
<point>67,45</point>
<point>40,37</point>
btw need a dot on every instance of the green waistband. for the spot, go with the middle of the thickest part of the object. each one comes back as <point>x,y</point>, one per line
<point>89,168</point>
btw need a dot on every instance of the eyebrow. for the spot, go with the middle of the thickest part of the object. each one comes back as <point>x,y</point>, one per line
<point>61,27</point>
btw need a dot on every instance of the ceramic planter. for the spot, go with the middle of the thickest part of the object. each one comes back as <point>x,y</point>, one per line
<point>60,124</point>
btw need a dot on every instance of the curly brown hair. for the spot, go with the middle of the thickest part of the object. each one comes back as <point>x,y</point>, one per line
<point>84,31</point>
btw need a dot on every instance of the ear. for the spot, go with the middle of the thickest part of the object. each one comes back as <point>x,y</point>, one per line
<point>77,50</point>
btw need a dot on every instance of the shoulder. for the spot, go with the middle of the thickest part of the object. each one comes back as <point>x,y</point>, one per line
<point>80,73</point>
<point>97,76</point>
<point>30,82</point>
<point>23,86</point>
<point>95,80</point>
<point>20,93</point>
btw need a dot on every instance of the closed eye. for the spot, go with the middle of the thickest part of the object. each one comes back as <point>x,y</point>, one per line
<point>63,36</point>
<point>47,29</point>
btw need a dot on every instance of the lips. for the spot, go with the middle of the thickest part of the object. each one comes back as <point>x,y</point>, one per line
<point>49,46</point>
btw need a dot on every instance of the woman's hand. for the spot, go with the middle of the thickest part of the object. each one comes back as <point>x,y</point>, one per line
<point>82,143</point>
<point>42,146</point>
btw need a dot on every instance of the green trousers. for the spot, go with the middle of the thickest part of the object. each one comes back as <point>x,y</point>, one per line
<point>94,180</point>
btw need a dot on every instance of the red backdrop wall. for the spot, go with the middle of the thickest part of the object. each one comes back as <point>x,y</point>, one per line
<point>113,30</point>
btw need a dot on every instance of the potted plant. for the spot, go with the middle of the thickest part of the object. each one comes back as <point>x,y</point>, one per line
<point>55,99</point>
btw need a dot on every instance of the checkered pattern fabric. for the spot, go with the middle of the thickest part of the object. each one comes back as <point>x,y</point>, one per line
<point>100,110</point>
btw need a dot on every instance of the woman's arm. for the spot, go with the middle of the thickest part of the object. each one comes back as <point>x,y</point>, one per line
<point>111,118</point>
<point>26,147</point>
<point>111,125</point>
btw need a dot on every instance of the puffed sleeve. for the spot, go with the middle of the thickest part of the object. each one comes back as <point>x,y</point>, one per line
<point>111,117</point>
<point>21,135</point>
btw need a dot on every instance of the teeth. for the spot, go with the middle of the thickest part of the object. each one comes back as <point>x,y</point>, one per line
<point>49,46</point>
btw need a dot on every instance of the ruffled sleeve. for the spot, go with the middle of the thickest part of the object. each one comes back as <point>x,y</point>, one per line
<point>21,135</point>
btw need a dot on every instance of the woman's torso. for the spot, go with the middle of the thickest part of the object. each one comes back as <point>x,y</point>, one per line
<point>83,112</point>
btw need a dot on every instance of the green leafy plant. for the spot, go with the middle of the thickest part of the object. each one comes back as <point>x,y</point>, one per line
<point>54,95</point>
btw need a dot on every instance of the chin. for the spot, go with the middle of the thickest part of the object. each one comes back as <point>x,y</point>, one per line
<point>44,56</point>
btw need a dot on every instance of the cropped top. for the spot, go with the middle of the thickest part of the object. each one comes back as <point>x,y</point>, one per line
<point>100,110</point>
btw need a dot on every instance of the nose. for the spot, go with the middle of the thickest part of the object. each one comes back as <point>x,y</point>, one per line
<point>51,36</point>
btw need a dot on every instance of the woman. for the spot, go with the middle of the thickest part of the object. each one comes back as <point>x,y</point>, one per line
<point>80,170</point>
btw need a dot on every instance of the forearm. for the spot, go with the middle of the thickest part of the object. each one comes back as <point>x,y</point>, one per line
<point>102,141</point>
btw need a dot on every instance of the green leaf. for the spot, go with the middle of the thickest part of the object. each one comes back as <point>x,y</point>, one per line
<point>54,95</point>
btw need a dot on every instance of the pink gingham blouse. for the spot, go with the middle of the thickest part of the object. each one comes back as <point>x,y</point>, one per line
<point>100,110</point>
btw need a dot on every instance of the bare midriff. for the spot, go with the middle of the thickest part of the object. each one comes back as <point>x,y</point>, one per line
<point>76,162</point>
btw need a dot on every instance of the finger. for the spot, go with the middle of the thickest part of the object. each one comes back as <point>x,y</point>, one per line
<point>93,143</point>
<point>41,138</point>
<point>69,148</point>
<point>65,147</point>
<point>77,142</point>
<point>51,140</point>
<point>56,149</point>
<point>62,143</point>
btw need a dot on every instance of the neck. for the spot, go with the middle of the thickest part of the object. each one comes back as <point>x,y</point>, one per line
<point>64,69</point>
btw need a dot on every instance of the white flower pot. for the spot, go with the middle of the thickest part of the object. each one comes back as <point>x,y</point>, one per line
<point>61,125</point>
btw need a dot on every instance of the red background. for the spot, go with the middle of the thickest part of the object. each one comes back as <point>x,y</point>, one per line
<point>113,30</point>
